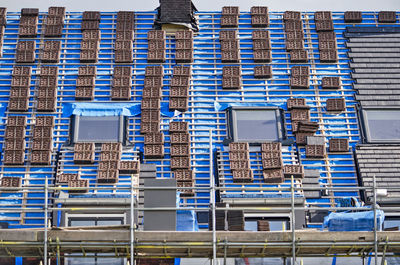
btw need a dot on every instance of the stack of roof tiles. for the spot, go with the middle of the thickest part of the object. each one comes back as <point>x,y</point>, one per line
<point>229,46</point>
<point>54,22</point>
<point>14,145</point>
<point>239,160</point>
<point>387,17</point>
<point>300,117</point>
<point>3,23</point>
<point>84,153</point>
<point>272,163</point>
<point>125,35</point>
<point>42,142</point>
<point>90,36</point>
<point>122,83</point>
<point>259,16</point>
<point>152,91</point>
<point>300,77</point>
<point>150,120</point>
<point>28,22</point>
<point>230,17</point>
<point>179,88</point>
<point>326,37</point>
<point>110,156</point>
<point>235,220</point>
<point>180,156</point>
<point>261,46</point>
<point>25,51</point>
<point>19,92</point>
<point>295,171</point>
<point>231,77</point>
<point>220,217</point>
<point>315,147</point>
<point>47,89</point>
<point>352,17</point>
<point>74,181</point>
<point>85,83</point>
<point>184,46</point>
<point>156,46</point>
<point>338,145</point>
<point>11,182</point>
<point>51,51</point>
<point>294,37</point>
<point>263,225</point>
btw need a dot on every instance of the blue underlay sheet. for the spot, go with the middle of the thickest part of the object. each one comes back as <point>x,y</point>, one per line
<point>354,221</point>
<point>223,106</point>
<point>261,195</point>
<point>95,109</point>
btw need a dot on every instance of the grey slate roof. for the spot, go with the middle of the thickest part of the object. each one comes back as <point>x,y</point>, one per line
<point>375,56</point>
<point>383,161</point>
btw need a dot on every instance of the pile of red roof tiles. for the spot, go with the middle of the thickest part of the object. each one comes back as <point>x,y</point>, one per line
<point>121,83</point>
<point>229,46</point>
<point>3,23</point>
<point>295,37</point>
<point>179,88</point>
<point>125,35</point>
<point>156,46</point>
<point>19,92</point>
<point>230,17</point>
<point>47,89</point>
<point>28,22</point>
<point>90,36</point>
<point>25,51</point>
<point>85,83</point>
<point>51,51</point>
<point>180,156</point>
<point>326,37</point>
<point>42,140</point>
<point>272,163</point>
<point>231,77</point>
<point>14,144</point>
<point>184,46</point>
<point>108,169</point>
<point>259,16</point>
<point>239,160</point>
<point>261,46</point>
<point>54,22</point>
<point>150,120</point>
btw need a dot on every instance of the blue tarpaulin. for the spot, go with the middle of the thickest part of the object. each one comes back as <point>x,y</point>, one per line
<point>354,221</point>
<point>186,220</point>
<point>96,109</point>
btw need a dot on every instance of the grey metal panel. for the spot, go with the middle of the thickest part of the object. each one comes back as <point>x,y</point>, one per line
<point>373,55</point>
<point>315,140</point>
<point>377,81</point>
<point>148,167</point>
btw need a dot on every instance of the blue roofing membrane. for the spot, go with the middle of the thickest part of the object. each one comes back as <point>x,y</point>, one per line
<point>206,88</point>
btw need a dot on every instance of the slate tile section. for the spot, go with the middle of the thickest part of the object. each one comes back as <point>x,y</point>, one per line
<point>380,161</point>
<point>373,51</point>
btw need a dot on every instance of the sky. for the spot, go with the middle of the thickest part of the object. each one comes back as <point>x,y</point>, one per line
<point>208,5</point>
